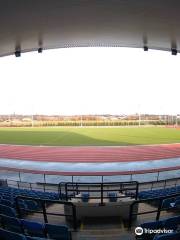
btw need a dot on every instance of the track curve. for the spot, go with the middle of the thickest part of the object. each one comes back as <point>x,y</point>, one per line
<point>90,154</point>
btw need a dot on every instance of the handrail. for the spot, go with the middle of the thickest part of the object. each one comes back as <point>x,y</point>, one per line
<point>101,188</point>
<point>72,175</point>
<point>118,173</point>
<point>142,183</point>
<point>47,186</point>
<point>158,211</point>
<point>44,212</point>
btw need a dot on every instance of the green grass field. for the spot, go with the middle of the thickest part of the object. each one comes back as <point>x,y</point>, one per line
<point>89,136</point>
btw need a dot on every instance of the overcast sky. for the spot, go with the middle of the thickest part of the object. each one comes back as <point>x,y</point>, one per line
<point>90,81</point>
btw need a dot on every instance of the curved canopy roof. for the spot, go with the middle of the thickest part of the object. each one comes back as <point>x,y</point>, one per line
<point>28,25</point>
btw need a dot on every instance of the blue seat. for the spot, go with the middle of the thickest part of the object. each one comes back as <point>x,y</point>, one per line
<point>177,204</point>
<point>22,207</point>
<point>159,192</point>
<point>31,205</point>
<point>178,198</point>
<point>8,198</point>
<point>85,197</point>
<point>7,235</point>
<point>9,193</point>
<point>167,203</point>
<point>11,224</point>
<point>7,203</point>
<point>170,236</point>
<point>33,229</point>
<point>112,197</point>
<point>8,211</point>
<point>58,232</point>
<point>172,223</point>
<point>151,225</point>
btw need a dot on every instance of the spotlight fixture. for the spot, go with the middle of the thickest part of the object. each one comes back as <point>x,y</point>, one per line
<point>145,48</point>
<point>173,51</point>
<point>17,53</point>
<point>40,50</point>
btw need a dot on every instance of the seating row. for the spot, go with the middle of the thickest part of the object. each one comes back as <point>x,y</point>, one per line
<point>170,236</point>
<point>171,203</point>
<point>9,193</point>
<point>159,192</point>
<point>34,229</point>
<point>172,224</point>
<point>7,235</point>
<point>24,204</point>
<point>25,207</point>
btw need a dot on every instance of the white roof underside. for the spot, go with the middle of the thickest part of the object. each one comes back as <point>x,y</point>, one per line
<point>30,24</point>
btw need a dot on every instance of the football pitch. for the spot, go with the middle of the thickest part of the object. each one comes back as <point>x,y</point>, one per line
<point>89,136</point>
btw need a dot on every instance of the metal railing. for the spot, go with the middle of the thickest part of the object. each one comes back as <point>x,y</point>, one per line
<point>43,203</point>
<point>99,190</point>
<point>44,187</point>
<point>158,211</point>
<point>49,187</point>
<point>56,177</point>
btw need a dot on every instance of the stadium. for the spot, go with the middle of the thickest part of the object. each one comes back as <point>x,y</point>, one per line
<point>82,181</point>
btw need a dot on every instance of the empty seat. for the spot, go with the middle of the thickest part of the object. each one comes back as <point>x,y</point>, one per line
<point>58,232</point>
<point>112,197</point>
<point>31,205</point>
<point>167,203</point>
<point>9,193</point>
<point>7,202</point>
<point>177,204</point>
<point>85,197</point>
<point>178,198</point>
<point>11,224</point>
<point>8,211</point>
<point>33,229</point>
<point>7,235</point>
<point>170,236</point>
<point>172,223</point>
<point>159,192</point>
<point>153,226</point>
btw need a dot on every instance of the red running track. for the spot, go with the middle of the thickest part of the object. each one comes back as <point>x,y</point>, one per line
<point>90,154</point>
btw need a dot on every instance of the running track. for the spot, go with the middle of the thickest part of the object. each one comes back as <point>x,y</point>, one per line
<point>90,154</point>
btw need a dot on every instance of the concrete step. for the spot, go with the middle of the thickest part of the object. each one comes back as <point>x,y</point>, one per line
<point>123,236</point>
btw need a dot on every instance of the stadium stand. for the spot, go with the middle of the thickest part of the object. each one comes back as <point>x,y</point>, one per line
<point>172,223</point>
<point>171,236</point>
<point>16,225</point>
<point>10,193</point>
<point>11,212</point>
<point>8,204</point>
<point>159,192</point>
<point>7,235</point>
<point>29,229</point>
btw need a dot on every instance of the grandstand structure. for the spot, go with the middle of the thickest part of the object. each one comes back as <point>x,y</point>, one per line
<point>73,208</point>
<point>78,23</point>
